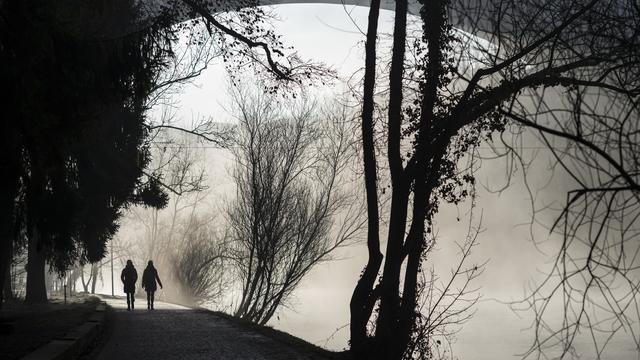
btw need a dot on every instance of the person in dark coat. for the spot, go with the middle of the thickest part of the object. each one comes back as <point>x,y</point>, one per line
<point>149,278</point>
<point>129,277</point>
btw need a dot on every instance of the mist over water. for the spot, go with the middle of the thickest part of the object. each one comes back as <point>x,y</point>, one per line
<point>495,332</point>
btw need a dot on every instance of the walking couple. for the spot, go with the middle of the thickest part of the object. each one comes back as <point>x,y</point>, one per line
<point>129,277</point>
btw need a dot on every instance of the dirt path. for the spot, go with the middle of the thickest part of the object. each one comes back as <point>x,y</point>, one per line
<point>176,332</point>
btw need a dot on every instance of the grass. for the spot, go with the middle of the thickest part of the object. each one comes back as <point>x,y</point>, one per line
<point>28,327</point>
<point>282,337</point>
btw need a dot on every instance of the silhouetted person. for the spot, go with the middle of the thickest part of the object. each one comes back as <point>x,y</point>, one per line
<point>149,278</point>
<point>129,277</point>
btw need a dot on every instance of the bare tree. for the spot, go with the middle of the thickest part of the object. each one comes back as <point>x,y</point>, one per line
<point>194,51</point>
<point>91,279</point>
<point>200,264</point>
<point>249,40</point>
<point>468,85</point>
<point>178,164</point>
<point>591,288</point>
<point>283,220</point>
<point>183,239</point>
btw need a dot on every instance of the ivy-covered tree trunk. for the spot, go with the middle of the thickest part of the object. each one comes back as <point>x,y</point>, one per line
<point>411,189</point>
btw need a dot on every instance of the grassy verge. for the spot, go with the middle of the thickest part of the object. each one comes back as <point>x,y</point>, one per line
<point>28,327</point>
<point>282,337</point>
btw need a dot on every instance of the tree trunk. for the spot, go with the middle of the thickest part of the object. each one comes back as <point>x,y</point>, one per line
<point>5,259</point>
<point>36,287</point>
<point>364,295</point>
<point>85,285</point>
<point>94,276</point>
<point>387,329</point>
<point>5,266</point>
<point>36,290</point>
<point>7,291</point>
<point>430,150</point>
<point>7,219</point>
<point>72,282</point>
<point>9,188</point>
<point>396,314</point>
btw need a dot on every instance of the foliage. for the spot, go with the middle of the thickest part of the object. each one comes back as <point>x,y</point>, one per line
<point>78,112</point>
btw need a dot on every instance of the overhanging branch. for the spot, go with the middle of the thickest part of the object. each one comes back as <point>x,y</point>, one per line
<point>273,66</point>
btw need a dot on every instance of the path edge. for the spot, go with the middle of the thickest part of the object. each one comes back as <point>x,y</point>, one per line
<point>76,341</point>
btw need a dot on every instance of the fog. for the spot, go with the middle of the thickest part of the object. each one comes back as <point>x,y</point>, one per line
<point>319,310</point>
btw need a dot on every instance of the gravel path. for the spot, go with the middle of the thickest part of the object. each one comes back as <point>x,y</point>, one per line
<point>176,332</point>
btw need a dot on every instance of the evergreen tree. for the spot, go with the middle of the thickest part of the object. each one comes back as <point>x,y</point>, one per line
<point>78,124</point>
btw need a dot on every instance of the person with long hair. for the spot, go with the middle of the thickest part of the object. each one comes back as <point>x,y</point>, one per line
<point>149,278</point>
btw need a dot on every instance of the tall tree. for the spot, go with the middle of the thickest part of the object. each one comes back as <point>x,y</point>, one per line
<point>461,90</point>
<point>81,100</point>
